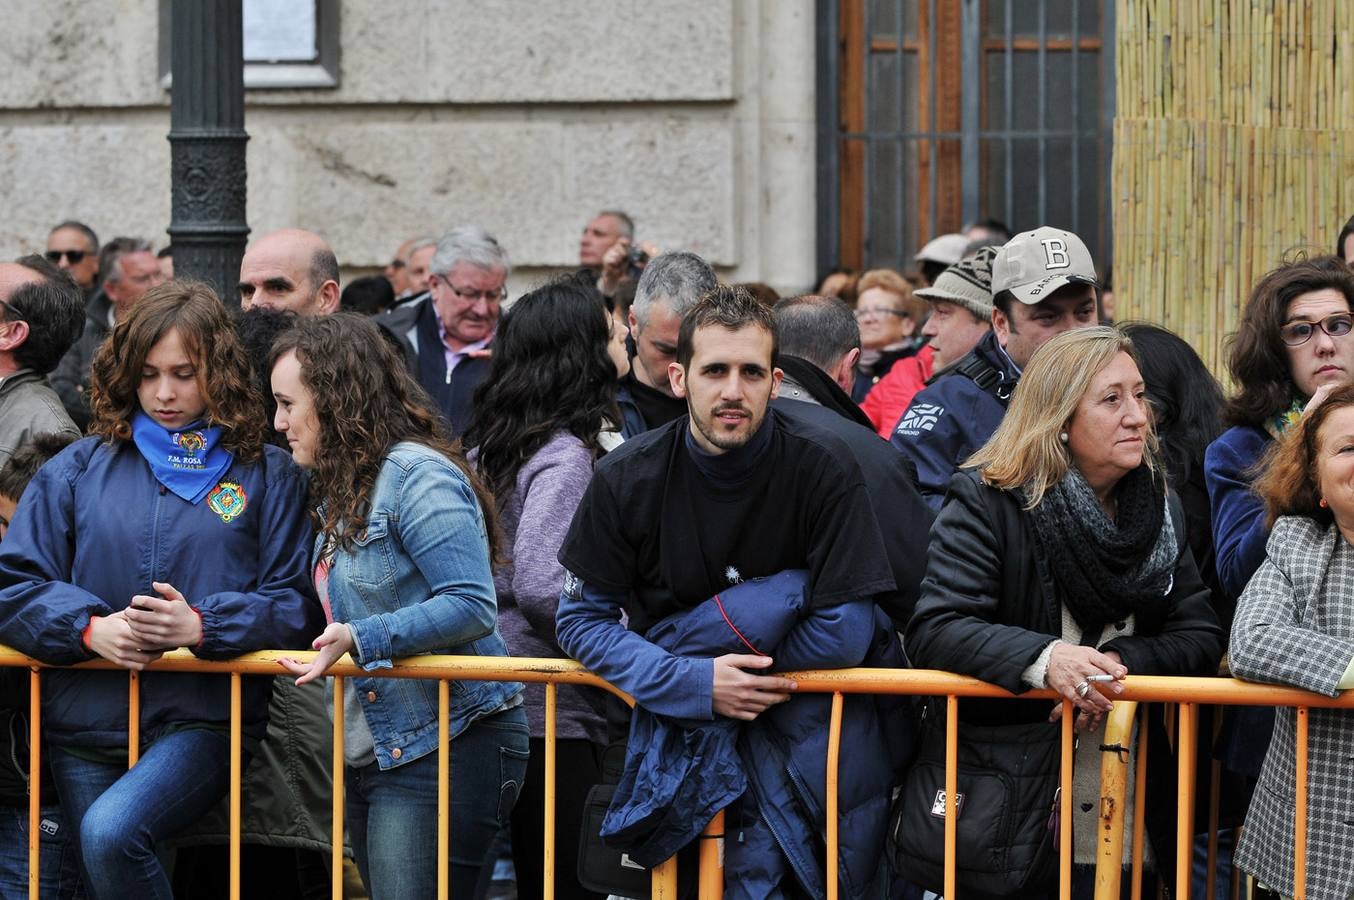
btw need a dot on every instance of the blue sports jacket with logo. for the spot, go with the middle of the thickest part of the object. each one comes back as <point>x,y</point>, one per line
<point>952,417</point>
<point>94,529</point>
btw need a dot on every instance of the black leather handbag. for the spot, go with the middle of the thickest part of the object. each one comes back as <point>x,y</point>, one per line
<point>1007,833</point>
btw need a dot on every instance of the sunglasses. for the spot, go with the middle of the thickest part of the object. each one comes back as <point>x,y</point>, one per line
<point>74,256</point>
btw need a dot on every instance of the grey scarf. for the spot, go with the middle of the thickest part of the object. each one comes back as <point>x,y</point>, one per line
<point>1104,570</point>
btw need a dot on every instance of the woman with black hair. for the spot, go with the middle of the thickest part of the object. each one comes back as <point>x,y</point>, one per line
<point>543,417</point>
<point>1187,411</point>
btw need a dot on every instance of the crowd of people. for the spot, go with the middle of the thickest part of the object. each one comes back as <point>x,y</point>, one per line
<point>692,488</point>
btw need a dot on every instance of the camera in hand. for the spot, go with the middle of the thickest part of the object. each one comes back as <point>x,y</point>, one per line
<point>636,259</point>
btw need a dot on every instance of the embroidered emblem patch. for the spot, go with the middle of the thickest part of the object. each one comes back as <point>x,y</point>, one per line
<point>190,442</point>
<point>227,500</point>
<point>921,417</point>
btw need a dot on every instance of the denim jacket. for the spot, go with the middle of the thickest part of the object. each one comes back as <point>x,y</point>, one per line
<point>419,581</point>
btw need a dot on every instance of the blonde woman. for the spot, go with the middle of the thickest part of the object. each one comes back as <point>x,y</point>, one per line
<point>1059,561</point>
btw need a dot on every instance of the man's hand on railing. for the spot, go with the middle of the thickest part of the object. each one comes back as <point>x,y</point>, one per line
<point>111,637</point>
<point>166,622</point>
<point>332,643</point>
<point>738,695</point>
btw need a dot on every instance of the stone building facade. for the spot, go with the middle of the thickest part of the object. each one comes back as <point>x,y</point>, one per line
<point>696,116</point>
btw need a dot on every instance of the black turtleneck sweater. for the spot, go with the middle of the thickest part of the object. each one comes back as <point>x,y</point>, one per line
<point>670,525</point>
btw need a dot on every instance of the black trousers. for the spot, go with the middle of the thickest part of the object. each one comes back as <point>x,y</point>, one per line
<point>578,766</point>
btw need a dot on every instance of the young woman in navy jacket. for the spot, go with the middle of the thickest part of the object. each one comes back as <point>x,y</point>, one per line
<point>171,526</point>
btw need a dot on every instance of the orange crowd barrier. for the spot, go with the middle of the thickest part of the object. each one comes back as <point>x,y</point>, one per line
<point>1187,694</point>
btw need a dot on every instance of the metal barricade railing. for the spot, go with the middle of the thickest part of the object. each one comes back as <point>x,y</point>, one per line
<point>1187,693</point>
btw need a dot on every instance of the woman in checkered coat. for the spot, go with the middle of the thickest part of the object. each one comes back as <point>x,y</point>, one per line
<point>1295,626</point>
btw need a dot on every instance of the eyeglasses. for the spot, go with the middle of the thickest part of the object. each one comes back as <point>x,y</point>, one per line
<point>74,256</point>
<point>396,264</point>
<point>877,311</point>
<point>1295,334</point>
<point>494,296</point>
<point>14,315</point>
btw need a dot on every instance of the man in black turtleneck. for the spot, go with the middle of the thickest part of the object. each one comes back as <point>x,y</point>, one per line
<point>731,492</point>
<point>734,491</point>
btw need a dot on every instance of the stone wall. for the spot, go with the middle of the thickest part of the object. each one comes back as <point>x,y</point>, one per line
<point>526,117</point>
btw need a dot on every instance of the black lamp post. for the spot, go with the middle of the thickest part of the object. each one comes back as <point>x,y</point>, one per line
<point>207,143</point>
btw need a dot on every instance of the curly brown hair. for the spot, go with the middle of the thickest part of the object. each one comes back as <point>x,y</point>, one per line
<point>1256,355</point>
<point>220,365</point>
<point>365,402</point>
<point>1288,481</point>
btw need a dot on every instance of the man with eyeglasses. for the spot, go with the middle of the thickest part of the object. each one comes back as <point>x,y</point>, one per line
<point>446,337</point>
<point>74,247</point>
<point>128,268</point>
<point>41,314</point>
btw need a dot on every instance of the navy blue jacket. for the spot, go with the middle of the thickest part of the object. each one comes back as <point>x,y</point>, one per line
<point>678,773</point>
<point>94,528</point>
<point>950,419</point>
<point>1239,539</point>
<point>1239,532</point>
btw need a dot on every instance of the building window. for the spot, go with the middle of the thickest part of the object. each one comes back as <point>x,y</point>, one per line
<point>287,43</point>
<point>941,112</point>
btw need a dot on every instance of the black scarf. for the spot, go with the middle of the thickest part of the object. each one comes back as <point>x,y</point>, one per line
<point>1104,570</point>
<point>823,389</point>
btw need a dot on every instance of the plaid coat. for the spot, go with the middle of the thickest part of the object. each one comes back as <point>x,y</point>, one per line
<point>1295,626</point>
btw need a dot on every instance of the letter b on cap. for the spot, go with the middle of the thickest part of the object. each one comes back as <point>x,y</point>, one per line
<point>1055,254</point>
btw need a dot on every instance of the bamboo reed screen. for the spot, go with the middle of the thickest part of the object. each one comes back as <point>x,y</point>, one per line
<point>1233,145</point>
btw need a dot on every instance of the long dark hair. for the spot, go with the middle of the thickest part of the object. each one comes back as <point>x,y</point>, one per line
<point>550,373</point>
<point>1186,399</point>
<point>366,403</point>
<point>220,365</point>
<point>1256,356</point>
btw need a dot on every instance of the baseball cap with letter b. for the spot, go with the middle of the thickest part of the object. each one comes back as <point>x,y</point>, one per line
<point>1034,264</point>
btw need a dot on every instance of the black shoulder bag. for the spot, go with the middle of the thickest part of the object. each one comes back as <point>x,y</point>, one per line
<point>1007,806</point>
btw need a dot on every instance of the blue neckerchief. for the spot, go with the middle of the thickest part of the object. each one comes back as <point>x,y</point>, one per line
<point>188,462</point>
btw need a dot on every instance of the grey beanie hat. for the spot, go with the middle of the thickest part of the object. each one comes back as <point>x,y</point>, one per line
<point>967,283</point>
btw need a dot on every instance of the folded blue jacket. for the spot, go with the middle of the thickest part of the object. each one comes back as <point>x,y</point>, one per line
<point>679,773</point>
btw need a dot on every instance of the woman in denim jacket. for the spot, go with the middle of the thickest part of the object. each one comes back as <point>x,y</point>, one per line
<point>403,566</point>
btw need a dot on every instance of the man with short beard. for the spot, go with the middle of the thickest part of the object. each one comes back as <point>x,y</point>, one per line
<point>700,507</point>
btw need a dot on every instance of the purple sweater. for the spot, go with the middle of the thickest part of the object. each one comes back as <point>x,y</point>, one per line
<point>534,522</point>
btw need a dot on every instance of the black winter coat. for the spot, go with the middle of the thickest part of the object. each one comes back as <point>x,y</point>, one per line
<point>988,606</point>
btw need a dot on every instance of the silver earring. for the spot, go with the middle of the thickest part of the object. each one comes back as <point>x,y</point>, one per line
<point>1062,436</point>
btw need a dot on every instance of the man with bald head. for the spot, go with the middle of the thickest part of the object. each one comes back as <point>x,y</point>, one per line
<point>42,313</point>
<point>290,269</point>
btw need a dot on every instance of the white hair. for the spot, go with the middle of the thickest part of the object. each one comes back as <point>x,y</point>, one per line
<point>470,244</point>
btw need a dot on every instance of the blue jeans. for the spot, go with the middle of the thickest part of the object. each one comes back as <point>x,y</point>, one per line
<point>58,870</point>
<point>392,814</point>
<point>123,814</point>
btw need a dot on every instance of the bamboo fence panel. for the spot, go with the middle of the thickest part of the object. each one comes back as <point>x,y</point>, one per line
<point>1233,150</point>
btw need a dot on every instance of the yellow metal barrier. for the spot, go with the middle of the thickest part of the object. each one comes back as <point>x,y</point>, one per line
<point>552,672</point>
